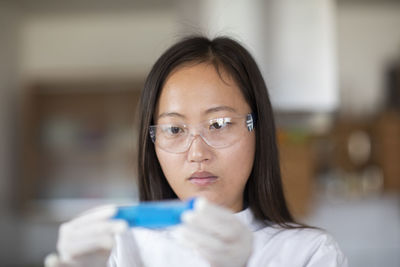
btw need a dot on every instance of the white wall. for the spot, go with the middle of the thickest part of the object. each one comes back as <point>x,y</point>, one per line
<point>368,39</point>
<point>302,68</point>
<point>61,44</point>
<point>83,43</point>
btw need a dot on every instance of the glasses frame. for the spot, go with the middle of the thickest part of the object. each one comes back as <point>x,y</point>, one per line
<point>250,125</point>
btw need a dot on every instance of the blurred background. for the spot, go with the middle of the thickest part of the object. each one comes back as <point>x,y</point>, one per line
<point>71,73</point>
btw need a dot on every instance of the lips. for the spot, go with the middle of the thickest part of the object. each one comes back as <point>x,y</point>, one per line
<point>202,178</point>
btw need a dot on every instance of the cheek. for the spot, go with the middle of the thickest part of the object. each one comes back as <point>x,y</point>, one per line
<point>170,164</point>
<point>238,160</point>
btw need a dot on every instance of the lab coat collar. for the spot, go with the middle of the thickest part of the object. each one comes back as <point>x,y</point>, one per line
<point>246,216</point>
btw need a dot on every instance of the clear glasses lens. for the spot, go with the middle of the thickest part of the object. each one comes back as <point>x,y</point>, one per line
<point>217,133</point>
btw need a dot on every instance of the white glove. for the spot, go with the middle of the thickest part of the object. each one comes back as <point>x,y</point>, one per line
<point>217,235</point>
<point>87,240</point>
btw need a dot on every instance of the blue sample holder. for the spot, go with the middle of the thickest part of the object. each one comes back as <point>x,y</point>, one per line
<point>154,214</point>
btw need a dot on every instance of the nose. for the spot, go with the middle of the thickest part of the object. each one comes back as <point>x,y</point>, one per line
<point>199,151</point>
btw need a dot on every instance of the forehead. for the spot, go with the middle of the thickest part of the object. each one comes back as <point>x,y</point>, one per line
<point>192,90</point>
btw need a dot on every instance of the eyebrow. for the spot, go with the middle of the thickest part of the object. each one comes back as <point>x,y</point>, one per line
<point>208,111</point>
<point>220,108</point>
<point>171,114</point>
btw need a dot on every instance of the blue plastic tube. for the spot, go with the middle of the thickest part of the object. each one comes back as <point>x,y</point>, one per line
<point>154,214</point>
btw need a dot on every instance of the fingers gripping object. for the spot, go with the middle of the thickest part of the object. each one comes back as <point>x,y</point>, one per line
<point>213,231</point>
<point>87,240</point>
<point>217,235</point>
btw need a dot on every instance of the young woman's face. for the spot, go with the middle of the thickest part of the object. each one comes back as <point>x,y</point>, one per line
<point>191,95</point>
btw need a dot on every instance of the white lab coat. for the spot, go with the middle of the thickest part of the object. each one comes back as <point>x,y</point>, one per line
<point>273,246</point>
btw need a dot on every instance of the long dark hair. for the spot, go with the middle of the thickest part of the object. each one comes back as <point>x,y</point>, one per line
<point>263,193</point>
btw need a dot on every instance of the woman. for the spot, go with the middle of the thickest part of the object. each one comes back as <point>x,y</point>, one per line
<point>207,131</point>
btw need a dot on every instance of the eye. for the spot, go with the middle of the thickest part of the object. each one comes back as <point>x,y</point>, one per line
<point>216,125</point>
<point>173,130</point>
<point>219,123</point>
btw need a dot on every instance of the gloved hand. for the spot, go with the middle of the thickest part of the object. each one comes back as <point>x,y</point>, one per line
<point>216,234</point>
<point>87,240</point>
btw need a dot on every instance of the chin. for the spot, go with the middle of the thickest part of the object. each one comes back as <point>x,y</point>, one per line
<point>213,198</point>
